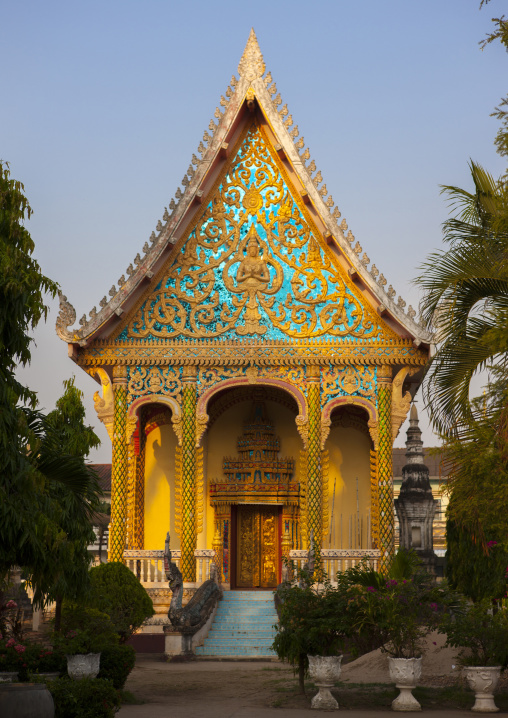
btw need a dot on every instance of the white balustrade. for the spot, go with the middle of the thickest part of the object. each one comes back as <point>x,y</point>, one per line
<point>338,560</point>
<point>148,566</point>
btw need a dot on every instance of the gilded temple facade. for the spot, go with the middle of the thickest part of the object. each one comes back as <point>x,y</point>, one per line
<point>254,371</point>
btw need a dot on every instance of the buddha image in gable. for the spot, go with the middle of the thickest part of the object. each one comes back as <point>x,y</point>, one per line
<point>253,280</point>
<point>253,269</point>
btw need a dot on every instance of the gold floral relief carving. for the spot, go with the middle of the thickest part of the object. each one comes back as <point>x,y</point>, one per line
<point>104,405</point>
<point>201,424</point>
<point>252,263</point>
<point>374,432</point>
<point>303,428</point>
<point>155,380</point>
<point>348,380</point>
<point>132,422</point>
<point>400,402</point>
<point>326,423</point>
<point>176,421</point>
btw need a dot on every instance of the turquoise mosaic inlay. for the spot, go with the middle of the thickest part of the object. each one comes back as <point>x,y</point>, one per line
<point>252,267</point>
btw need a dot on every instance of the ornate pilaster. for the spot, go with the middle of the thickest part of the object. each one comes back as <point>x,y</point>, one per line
<point>117,528</point>
<point>385,467</point>
<point>188,469</point>
<point>217,547</point>
<point>314,497</point>
<point>139,489</point>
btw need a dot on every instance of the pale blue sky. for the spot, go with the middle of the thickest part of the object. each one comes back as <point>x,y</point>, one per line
<point>103,104</point>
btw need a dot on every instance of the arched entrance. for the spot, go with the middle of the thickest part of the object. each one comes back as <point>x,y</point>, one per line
<point>252,458</point>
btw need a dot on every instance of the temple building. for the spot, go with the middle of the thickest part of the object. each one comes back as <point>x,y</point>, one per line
<point>254,371</point>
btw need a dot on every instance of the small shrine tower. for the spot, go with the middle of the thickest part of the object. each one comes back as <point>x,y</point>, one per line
<point>416,505</point>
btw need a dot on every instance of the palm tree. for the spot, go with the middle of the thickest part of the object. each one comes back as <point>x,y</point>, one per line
<point>466,299</point>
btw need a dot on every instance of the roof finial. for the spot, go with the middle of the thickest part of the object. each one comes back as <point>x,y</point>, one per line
<point>251,65</point>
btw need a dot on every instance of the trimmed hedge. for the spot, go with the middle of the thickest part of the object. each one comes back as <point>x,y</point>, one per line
<point>116,591</point>
<point>87,698</point>
<point>116,664</point>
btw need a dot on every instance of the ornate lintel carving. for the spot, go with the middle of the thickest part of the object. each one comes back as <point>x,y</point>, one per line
<point>400,402</point>
<point>104,405</point>
<point>132,422</point>
<point>176,421</point>
<point>201,424</point>
<point>374,432</point>
<point>303,428</point>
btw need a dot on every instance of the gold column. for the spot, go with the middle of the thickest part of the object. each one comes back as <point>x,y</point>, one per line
<point>217,547</point>
<point>385,467</point>
<point>139,490</point>
<point>188,482</point>
<point>314,497</point>
<point>117,525</point>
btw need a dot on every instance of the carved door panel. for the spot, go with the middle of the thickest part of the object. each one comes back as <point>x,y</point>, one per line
<point>257,547</point>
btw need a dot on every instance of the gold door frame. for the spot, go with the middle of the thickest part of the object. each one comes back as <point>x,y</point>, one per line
<point>257,546</point>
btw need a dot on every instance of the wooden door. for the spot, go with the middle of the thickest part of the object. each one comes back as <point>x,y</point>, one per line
<point>257,547</point>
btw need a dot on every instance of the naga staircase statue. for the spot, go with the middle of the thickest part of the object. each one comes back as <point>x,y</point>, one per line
<point>189,619</point>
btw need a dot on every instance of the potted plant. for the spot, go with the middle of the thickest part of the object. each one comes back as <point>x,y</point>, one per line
<point>84,633</point>
<point>481,632</point>
<point>310,634</point>
<point>398,615</point>
<point>11,662</point>
<point>45,663</point>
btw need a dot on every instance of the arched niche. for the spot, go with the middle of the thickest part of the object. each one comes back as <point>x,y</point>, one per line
<point>349,445</point>
<point>158,443</point>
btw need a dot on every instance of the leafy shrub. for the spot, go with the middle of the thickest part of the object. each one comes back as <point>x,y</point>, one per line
<point>116,664</point>
<point>481,634</point>
<point>116,591</point>
<point>84,630</point>
<point>87,698</point>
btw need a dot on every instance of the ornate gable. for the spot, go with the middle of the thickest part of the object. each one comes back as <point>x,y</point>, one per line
<point>252,263</point>
<point>265,260</point>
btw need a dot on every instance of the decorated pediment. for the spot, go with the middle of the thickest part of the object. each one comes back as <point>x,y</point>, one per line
<point>252,264</point>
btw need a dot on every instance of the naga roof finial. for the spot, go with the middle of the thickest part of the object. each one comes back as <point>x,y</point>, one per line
<point>251,65</point>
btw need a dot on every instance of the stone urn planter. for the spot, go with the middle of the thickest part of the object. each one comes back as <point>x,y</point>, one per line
<point>19,700</point>
<point>405,673</point>
<point>83,665</point>
<point>8,676</point>
<point>483,681</point>
<point>324,671</point>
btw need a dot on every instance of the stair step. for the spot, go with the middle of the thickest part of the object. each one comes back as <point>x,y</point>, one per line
<point>243,626</point>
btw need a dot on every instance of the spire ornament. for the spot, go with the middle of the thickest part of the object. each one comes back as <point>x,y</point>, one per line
<point>251,65</point>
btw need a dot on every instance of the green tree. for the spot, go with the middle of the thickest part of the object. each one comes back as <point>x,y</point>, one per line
<point>64,572</point>
<point>501,112</point>
<point>466,299</point>
<point>477,520</point>
<point>32,463</point>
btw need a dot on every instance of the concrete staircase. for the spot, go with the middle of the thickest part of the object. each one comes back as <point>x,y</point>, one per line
<point>242,627</point>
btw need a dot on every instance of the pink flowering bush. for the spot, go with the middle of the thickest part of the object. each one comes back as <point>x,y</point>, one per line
<point>395,614</point>
<point>30,658</point>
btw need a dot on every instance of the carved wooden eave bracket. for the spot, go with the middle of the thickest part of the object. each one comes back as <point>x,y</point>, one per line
<point>252,86</point>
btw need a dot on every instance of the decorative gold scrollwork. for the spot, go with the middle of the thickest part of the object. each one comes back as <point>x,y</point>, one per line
<point>251,264</point>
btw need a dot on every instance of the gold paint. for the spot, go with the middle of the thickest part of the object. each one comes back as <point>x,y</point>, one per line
<point>308,271</point>
<point>105,405</point>
<point>241,352</point>
<point>257,549</point>
<point>400,402</point>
